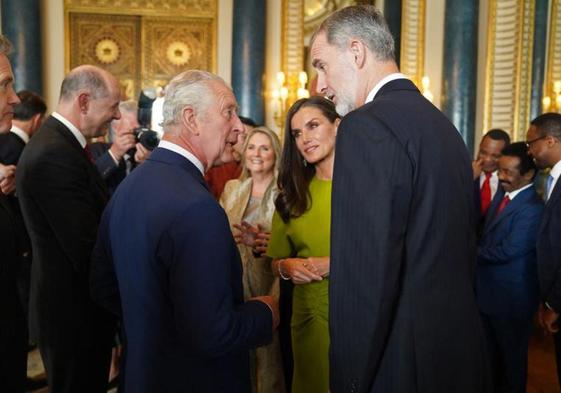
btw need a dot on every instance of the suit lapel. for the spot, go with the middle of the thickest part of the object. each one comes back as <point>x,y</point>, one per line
<point>512,206</point>
<point>97,182</point>
<point>551,203</point>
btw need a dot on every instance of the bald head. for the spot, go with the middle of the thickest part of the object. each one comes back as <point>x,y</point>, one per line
<point>89,99</point>
<point>88,78</point>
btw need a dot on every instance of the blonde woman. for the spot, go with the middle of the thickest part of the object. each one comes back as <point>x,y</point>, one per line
<point>249,204</point>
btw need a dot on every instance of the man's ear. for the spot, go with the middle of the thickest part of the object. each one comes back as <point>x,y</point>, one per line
<point>358,49</point>
<point>36,121</point>
<point>84,102</point>
<point>189,119</point>
<point>529,175</point>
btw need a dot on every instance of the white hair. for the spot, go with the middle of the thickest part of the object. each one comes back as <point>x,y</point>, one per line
<point>191,88</point>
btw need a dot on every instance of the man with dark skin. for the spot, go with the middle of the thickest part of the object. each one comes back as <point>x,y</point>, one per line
<point>544,145</point>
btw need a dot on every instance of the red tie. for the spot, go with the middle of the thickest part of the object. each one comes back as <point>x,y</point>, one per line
<point>503,204</point>
<point>89,154</point>
<point>486,193</point>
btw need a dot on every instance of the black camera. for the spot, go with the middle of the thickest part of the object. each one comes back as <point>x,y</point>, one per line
<point>143,134</point>
<point>146,137</point>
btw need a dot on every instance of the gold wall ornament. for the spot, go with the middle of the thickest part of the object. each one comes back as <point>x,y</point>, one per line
<point>191,8</point>
<point>412,56</point>
<point>509,66</point>
<point>107,51</point>
<point>143,43</point>
<point>108,41</point>
<point>172,45</point>
<point>552,84</point>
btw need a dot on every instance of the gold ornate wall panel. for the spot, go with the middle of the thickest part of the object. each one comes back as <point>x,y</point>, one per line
<point>553,70</point>
<point>143,43</point>
<point>412,56</point>
<point>509,66</point>
<point>109,41</point>
<point>172,45</point>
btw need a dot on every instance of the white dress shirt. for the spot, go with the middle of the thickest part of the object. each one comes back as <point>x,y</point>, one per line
<point>21,133</point>
<point>493,182</point>
<point>511,195</point>
<point>185,153</point>
<point>73,129</point>
<point>381,83</point>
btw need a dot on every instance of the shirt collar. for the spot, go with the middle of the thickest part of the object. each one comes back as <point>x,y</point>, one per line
<point>556,170</point>
<point>381,83</point>
<point>185,153</point>
<point>75,131</point>
<point>511,195</point>
<point>21,133</point>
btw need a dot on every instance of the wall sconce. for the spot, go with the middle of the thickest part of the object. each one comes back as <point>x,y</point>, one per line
<point>425,83</point>
<point>290,87</point>
<point>554,98</point>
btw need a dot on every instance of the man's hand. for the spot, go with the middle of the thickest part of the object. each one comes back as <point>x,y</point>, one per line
<point>548,319</point>
<point>7,178</point>
<point>477,167</point>
<point>141,154</point>
<point>122,142</point>
<point>273,305</point>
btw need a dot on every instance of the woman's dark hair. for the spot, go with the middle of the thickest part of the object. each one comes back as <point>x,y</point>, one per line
<point>294,177</point>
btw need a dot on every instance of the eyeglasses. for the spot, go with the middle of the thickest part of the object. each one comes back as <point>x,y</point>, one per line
<point>529,143</point>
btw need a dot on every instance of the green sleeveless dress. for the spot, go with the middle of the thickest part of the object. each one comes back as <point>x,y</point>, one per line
<point>308,236</point>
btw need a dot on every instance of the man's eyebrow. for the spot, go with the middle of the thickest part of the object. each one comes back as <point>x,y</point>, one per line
<point>315,62</point>
<point>7,78</point>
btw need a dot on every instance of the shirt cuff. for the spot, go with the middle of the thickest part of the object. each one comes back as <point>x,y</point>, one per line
<point>113,157</point>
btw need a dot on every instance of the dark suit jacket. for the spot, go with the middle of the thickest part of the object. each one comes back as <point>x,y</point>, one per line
<point>111,173</point>
<point>549,250</point>
<point>506,277</point>
<point>62,197</point>
<point>403,316</point>
<point>179,277</point>
<point>13,340</point>
<point>11,147</point>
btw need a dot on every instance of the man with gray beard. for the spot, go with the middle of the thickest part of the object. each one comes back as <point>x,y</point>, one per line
<point>403,316</point>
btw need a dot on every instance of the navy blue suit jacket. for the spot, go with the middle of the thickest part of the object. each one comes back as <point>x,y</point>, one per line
<point>549,250</point>
<point>506,278</point>
<point>179,278</point>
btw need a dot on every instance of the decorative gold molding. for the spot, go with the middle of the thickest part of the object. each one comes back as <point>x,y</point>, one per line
<point>413,39</point>
<point>190,8</point>
<point>292,58</point>
<point>509,66</point>
<point>553,67</point>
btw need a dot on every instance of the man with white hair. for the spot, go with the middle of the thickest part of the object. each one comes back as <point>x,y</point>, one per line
<point>62,197</point>
<point>402,311</point>
<point>166,261</point>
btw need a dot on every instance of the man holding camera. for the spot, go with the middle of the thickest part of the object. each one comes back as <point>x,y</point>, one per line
<point>114,161</point>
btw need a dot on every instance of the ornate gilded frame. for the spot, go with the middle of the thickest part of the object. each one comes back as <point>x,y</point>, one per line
<point>203,11</point>
<point>509,66</point>
<point>412,60</point>
<point>553,66</point>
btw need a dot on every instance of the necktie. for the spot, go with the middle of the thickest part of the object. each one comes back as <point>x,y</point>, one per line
<point>89,154</point>
<point>485,193</point>
<point>548,187</point>
<point>503,204</point>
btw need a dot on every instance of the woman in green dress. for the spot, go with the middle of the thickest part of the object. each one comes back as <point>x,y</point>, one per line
<point>299,243</point>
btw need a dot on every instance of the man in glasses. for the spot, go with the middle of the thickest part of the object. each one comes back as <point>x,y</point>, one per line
<point>543,140</point>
